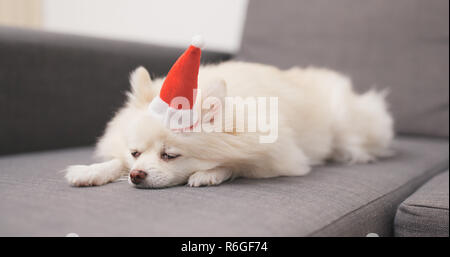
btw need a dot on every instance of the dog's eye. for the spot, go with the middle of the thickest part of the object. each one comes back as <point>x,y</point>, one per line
<point>166,156</point>
<point>135,154</point>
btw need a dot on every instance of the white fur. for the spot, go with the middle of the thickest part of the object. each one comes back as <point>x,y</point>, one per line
<point>320,118</point>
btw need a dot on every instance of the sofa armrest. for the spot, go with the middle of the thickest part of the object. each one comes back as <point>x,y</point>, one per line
<point>425,212</point>
<point>59,90</point>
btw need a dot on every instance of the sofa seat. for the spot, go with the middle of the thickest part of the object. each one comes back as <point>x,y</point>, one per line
<point>334,200</point>
<point>425,213</point>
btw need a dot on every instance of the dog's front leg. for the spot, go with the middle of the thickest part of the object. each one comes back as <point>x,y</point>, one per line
<point>96,174</point>
<point>209,177</point>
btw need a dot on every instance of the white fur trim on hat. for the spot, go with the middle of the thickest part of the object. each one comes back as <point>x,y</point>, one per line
<point>198,41</point>
<point>174,119</point>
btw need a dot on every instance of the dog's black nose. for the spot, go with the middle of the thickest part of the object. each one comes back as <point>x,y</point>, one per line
<point>137,176</point>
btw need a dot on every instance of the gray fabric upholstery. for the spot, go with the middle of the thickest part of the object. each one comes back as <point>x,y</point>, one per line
<point>425,213</point>
<point>402,45</point>
<point>332,200</point>
<point>59,90</point>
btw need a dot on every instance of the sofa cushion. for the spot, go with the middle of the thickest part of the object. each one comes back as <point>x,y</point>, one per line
<point>425,213</point>
<point>333,200</point>
<point>402,45</point>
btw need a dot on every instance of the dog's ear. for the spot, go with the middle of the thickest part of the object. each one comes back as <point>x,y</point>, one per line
<point>142,91</point>
<point>216,88</point>
<point>213,97</point>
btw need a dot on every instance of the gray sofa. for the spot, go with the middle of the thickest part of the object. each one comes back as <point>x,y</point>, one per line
<point>425,213</point>
<point>402,45</point>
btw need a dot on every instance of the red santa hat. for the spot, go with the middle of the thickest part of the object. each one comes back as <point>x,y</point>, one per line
<point>174,106</point>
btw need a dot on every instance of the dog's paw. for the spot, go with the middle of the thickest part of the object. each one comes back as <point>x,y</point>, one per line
<point>79,175</point>
<point>96,174</point>
<point>208,178</point>
<point>82,175</point>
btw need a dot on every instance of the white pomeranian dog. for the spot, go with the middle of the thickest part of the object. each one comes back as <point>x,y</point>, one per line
<point>319,118</point>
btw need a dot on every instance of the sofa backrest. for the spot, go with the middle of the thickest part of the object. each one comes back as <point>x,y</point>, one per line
<point>402,45</point>
<point>59,90</point>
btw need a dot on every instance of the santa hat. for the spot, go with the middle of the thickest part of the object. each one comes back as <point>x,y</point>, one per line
<point>174,107</point>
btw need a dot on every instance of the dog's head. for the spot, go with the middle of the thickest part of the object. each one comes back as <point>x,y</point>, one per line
<point>157,156</point>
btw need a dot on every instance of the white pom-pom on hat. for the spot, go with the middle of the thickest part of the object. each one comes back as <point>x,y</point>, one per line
<point>198,41</point>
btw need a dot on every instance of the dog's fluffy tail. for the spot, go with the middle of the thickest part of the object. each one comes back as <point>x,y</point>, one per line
<point>377,121</point>
<point>364,131</point>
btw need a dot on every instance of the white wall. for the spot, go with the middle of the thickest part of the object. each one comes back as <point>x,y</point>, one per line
<point>167,22</point>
